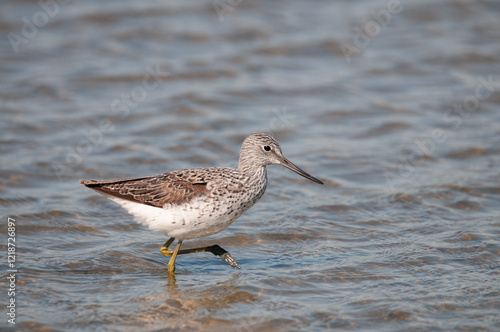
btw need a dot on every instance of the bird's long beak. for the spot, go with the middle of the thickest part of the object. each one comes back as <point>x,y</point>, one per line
<point>288,164</point>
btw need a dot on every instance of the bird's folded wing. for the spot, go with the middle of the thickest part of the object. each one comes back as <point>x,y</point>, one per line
<point>155,190</point>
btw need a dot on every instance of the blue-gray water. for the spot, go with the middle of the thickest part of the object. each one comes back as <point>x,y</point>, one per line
<point>401,122</point>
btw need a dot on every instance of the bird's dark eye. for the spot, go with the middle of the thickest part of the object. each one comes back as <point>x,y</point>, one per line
<point>267,148</point>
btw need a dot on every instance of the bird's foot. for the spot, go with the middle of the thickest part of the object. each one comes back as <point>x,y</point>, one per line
<point>164,250</point>
<point>226,257</point>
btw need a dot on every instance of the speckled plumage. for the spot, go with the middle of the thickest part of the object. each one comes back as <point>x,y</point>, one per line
<point>198,202</point>
<point>189,203</point>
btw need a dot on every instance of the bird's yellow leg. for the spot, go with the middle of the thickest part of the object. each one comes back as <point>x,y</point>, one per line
<point>171,263</point>
<point>164,250</point>
<point>214,249</point>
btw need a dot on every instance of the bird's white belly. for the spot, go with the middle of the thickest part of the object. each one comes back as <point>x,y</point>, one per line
<point>186,221</point>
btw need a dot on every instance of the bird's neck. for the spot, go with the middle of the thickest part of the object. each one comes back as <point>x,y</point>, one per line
<point>252,170</point>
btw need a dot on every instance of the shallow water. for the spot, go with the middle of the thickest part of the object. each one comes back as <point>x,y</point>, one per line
<point>404,129</point>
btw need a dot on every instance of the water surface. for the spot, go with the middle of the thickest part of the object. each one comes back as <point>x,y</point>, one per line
<point>404,131</point>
